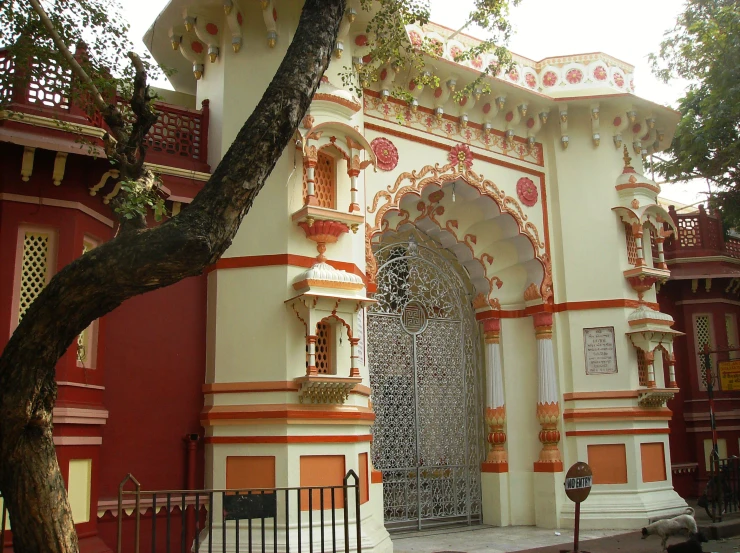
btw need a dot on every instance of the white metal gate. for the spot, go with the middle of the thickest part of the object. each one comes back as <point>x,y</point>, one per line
<point>423,355</point>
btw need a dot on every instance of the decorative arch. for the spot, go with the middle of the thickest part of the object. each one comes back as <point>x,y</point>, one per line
<point>386,201</point>
<point>336,318</point>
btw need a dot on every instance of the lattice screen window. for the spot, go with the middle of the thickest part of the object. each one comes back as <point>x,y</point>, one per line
<point>703,330</point>
<point>85,341</point>
<point>34,268</point>
<point>631,244</point>
<point>324,337</point>
<point>642,367</point>
<point>325,181</point>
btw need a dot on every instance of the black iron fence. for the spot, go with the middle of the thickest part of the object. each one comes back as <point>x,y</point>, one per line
<point>303,519</point>
<point>722,493</point>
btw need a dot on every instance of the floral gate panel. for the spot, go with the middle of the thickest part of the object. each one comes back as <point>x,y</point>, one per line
<point>424,359</point>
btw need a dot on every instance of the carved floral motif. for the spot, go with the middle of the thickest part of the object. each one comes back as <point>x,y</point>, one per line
<point>574,76</point>
<point>619,79</point>
<point>527,191</point>
<point>461,155</point>
<point>549,79</point>
<point>600,73</point>
<point>385,152</point>
<point>531,80</point>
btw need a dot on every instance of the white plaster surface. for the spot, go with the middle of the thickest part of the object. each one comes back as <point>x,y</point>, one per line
<point>488,539</point>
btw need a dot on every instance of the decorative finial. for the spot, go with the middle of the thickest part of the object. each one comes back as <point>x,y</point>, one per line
<point>627,158</point>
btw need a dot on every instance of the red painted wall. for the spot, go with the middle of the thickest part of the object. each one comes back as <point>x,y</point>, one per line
<point>155,369</point>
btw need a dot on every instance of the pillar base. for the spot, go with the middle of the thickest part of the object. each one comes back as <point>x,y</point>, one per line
<point>495,489</point>
<point>494,467</point>
<point>549,495</point>
<point>548,466</point>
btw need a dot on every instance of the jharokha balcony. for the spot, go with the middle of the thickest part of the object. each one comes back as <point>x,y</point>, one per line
<point>178,139</point>
<point>701,250</point>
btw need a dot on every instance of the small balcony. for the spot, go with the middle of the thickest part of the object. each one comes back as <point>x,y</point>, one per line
<point>178,139</point>
<point>700,234</point>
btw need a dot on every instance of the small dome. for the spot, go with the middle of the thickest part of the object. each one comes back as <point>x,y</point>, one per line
<point>644,312</point>
<point>323,274</point>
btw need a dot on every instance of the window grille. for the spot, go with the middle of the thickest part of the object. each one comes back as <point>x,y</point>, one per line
<point>642,367</point>
<point>731,330</point>
<point>323,348</point>
<point>631,244</point>
<point>324,181</point>
<point>703,329</point>
<point>34,268</point>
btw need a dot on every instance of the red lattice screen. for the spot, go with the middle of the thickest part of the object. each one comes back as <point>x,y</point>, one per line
<point>642,368</point>
<point>733,247</point>
<point>323,348</point>
<point>325,181</point>
<point>688,232</point>
<point>50,85</point>
<point>176,132</point>
<point>631,244</point>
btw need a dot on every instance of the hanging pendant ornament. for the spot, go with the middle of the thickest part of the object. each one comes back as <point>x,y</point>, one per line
<point>453,190</point>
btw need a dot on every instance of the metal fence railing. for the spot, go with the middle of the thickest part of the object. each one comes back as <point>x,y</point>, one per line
<point>300,519</point>
<point>722,493</point>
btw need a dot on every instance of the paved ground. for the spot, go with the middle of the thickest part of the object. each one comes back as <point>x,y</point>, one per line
<point>537,540</point>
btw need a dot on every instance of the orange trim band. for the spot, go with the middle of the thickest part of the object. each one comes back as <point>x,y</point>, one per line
<point>266,386</point>
<point>616,394</point>
<point>287,439</point>
<point>562,307</point>
<point>248,261</point>
<point>376,477</point>
<point>618,432</point>
<point>627,413</point>
<point>285,411</point>
<point>548,467</point>
<point>498,468</point>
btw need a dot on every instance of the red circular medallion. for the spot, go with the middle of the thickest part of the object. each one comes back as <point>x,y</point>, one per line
<point>385,152</point>
<point>527,191</point>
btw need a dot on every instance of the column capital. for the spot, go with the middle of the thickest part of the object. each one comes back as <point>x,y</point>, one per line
<point>543,325</point>
<point>491,330</point>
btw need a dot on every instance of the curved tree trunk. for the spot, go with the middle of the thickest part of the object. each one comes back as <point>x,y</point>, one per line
<point>134,263</point>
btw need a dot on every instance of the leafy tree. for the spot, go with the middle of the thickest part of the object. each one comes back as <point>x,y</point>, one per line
<point>704,49</point>
<point>140,259</point>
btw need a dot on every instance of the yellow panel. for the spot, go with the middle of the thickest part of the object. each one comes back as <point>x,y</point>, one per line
<point>7,517</point>
<point>80,476</point>
<point>721,449</point>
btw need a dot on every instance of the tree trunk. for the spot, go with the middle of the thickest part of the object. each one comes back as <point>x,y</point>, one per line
<point>134,263</point>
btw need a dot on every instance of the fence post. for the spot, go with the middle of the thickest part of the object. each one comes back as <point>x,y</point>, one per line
<point>356,486</point>
<point>137,487</point>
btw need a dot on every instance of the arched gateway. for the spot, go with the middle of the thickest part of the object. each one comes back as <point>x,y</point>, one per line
<point>424,357</point>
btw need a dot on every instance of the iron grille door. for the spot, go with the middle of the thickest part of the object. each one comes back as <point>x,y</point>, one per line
<point>424,357</point>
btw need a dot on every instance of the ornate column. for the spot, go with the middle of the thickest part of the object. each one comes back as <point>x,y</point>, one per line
<point>650,362</point>
<point>497,460</point>
<point>354,172</point>
<point>354,357</point>
<point>309,164</point>
<point>672,371</point>
<point>637,232</point>
<point>548,407</point>
<point>311,341</point>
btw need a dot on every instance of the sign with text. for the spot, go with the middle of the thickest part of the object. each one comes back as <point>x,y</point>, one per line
<point>729,374</point>
<point>578,482</point>
<point>600,350</point>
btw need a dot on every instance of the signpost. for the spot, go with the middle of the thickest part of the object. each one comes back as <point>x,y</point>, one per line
<point>578,482</point>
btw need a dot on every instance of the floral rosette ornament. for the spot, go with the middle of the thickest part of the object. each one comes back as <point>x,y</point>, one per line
<point>600,73</point>
<point>618,80</point>
<point>574,76</point>
<point>531,80</point>
<point>385,153</point>
<point>549,79</point>
<point>462,156</point>
<point>527,191</point>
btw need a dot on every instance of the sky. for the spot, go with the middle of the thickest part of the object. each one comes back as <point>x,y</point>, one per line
<point>628,30</point>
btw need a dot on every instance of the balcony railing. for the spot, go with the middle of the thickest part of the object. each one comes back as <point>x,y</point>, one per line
<point>700,234</point>
<point>179,138</point>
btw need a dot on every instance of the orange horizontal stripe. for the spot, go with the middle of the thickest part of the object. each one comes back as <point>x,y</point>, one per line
<point>247,261</point>
<point>266,386</point>
<point>548,467</point>
<point>494,467</point>
<point>616,394</point>
<point>561,307</point>
<point>287,439</point>
<point>627,413</point>
<point>286,411</point>
<point>618,432</point>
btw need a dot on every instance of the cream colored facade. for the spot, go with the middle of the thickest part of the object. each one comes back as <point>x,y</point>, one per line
<point>525,191</point>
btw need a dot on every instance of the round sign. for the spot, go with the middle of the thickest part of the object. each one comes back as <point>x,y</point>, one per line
<point>578,482</point>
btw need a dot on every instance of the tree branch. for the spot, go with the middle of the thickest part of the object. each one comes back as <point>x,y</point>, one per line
<point>77,69</point>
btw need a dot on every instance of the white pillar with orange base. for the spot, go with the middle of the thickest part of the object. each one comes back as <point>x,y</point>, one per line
<point>495,469</point>
<point>548,469</point>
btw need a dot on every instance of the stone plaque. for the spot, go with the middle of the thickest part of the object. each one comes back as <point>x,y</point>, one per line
<point>600,350</point>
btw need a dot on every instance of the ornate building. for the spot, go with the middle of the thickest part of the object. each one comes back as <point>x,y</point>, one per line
<point>454,299</point>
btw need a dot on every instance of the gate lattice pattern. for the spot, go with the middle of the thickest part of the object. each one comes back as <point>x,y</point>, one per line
<point>424,359</point>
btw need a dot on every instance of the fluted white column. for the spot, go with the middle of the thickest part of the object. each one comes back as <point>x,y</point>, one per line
<point>497,460</point>
<point>548,406</point>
